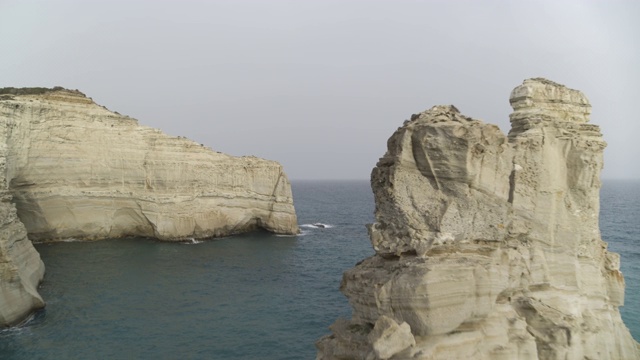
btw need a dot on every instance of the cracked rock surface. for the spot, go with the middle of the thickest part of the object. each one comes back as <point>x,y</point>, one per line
<point>487,245</point>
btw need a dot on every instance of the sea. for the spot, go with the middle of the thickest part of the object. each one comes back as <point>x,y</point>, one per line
<point>254,296</point>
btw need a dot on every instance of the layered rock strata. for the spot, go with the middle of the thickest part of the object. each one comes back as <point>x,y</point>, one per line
<point>74,169</point>
<point>488,246</point>
<point>21,268</point>
<point>78,170</point>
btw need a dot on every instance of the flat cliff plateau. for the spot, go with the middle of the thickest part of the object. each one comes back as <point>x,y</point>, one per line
<point>73,169</point>
<point>488,246</point>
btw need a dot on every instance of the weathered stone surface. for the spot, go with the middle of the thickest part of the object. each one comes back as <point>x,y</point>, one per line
<point>21,269</point>
<point>388,338</point>
<point>78,170</point>
<point>488,245</point>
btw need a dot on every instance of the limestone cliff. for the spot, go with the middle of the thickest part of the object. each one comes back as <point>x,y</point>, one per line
<point>21,269</point>
<point>78,170</point>
<point>488,246</point>
<point>74,169</point>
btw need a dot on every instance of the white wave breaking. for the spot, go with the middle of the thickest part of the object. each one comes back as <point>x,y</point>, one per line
<point>317,225</point>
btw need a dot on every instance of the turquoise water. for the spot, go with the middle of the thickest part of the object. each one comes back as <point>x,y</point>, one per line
<point>256,296</point>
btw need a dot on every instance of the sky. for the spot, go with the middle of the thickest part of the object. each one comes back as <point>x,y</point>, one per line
<point>321,85</point>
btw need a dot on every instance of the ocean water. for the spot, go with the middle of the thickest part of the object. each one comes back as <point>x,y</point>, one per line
<point>620,228</point>
<point>256,296</point>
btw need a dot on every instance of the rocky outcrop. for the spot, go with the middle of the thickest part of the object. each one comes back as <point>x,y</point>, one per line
<point>74,169</point>
<point>78,170</point>
<point>21,269</point>
<point>488,246</point>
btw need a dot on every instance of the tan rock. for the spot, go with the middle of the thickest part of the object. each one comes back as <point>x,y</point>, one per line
<point>78,170</point>
<point>488,245</point>
<point>389,338</point>
<point>21,269</point>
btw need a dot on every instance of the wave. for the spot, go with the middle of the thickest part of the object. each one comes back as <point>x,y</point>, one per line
<point>22,327</point>
<point>317,225</point>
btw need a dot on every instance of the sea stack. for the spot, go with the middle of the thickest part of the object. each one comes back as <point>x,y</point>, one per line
<point>488,246</point>
<point>75,170</point>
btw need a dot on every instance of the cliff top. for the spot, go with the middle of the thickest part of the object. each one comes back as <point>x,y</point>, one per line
<point>542,98</point>
<point>57,93</point>
<point>36,91</point>
<point>442,114</point>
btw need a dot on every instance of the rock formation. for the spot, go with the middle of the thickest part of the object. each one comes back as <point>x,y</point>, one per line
<point>488,246</point>
<point>21,269</point>
<point>77,170</point>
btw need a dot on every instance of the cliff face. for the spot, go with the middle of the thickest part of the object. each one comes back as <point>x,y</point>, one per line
<point>78,170</point>
<point>488,246</point>
<point>21,269</point>
<point>74,169</point>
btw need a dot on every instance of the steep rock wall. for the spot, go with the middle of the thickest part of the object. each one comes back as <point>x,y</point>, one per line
<point>488,246</point>
<point>74,169</point>
<point>21,268</point>
<point>78,170</point>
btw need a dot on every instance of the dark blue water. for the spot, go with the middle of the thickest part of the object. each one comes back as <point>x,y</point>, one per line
<point>257,296</point>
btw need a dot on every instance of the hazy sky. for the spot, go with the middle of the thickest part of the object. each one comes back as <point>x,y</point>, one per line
<point>321,85</point>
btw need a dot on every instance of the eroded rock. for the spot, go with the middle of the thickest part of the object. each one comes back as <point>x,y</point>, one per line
<point>388,338</point>
<point>74,169</point>
<point>488,245</point>
<point>21,268</point>
<point>78,170</point>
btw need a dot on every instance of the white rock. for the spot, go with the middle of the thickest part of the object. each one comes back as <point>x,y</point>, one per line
<point>21,269</point>
<point>389,338</point>
<point>488,245</point>
<point>78,170</point>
